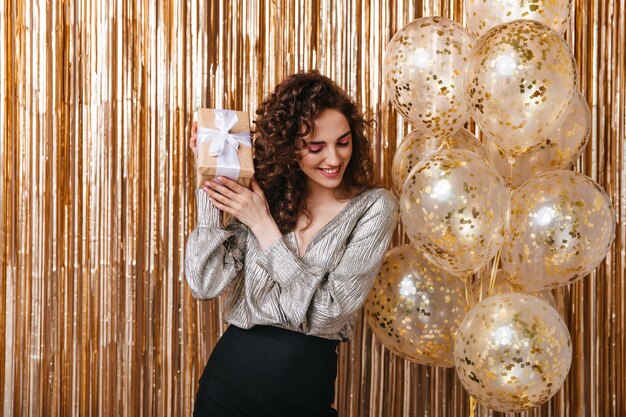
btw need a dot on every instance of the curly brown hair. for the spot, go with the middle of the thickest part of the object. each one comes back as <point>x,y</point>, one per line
<point>284,119</point>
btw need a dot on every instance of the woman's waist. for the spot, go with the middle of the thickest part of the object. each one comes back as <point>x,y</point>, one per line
<point>245,312</point>
<point>288,336</point>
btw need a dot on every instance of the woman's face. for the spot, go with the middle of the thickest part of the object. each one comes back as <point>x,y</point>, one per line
<point>327,150</point>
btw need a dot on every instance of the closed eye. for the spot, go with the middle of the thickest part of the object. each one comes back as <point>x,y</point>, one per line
<point>317,149</point>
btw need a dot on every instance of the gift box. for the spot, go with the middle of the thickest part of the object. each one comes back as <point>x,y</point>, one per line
<point>223,146</point>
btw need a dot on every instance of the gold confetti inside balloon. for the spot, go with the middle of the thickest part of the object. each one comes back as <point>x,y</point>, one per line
<point>455,208</point>
<point>503,286</point>
<point>417,147</point>
<point>482,15</point>
<point>414,308</point>
<point>559,151</point>
<point>562,226</point>
<point>520,80</point>
<point>512,352</point>
<point>423,74</point>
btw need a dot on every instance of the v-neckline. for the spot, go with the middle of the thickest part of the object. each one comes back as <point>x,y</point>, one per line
<point>323,228</point>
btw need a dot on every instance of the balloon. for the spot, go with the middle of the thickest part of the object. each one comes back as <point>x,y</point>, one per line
<point>423,74</point>
<point>562,226</point>
<point>415,308</point>
<point>503,286</point>
<point>455,208</point>
<point>559,151</point>
<point>417,147</point>
<point>482,15</point>
<point>520,80</point>
<point>512,352</point>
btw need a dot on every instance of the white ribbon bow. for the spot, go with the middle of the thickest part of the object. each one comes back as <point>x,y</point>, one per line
<point>224,145</point>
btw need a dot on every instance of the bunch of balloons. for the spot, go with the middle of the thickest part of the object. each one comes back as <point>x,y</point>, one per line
<point>508,202</point>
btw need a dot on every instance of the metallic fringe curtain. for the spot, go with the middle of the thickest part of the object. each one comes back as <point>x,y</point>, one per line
<point>96,186</point>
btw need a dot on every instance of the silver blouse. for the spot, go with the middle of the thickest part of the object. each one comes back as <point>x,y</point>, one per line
<point>319,293</point>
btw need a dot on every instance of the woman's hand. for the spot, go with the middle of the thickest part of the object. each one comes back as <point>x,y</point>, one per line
<point>248,206</point>
<point>194,137</point>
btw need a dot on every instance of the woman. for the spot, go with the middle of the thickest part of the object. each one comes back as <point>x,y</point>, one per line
<point>298,259</point>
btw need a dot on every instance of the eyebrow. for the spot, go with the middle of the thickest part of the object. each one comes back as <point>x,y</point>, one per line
<point>317,142</point>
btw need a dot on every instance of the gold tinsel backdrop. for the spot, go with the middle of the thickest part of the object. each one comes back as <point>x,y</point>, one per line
<point>96,187</point>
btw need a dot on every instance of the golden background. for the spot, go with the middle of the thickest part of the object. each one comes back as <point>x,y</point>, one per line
<point>96,184</point>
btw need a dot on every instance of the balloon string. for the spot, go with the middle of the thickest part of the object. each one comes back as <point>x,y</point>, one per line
<point>469,296</point>
<point>472,406</point>
<point>494,272</point>
<point>444,143</point>
<point>509,159</point>
<point>482,276</point>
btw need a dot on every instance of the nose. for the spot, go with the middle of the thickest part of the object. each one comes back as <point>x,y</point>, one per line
<point>332,157</point>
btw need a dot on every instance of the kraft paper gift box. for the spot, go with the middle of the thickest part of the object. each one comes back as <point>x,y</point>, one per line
<point>223,146</point>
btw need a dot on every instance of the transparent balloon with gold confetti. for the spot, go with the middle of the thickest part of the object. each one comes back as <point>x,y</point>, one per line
<point>414,308</point>
<point>455,208</point>
<point>416,147</point>
<point>482,15</point>
<point>512,352</point>
<point>562,226</point>
<point>423,74</point>
<point>520,80</point>
<point>559,151</point>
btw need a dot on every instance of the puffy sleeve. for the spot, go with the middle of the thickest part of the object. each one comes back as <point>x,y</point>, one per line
<point>323,302</point>
<point>214,256</point>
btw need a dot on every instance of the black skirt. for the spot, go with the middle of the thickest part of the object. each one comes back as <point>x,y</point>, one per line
<point>268,371</point>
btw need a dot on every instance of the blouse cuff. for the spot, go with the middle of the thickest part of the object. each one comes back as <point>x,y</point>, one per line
<point>208,214</point>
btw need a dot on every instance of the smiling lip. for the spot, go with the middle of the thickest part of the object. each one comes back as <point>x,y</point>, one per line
<point>333,175</point>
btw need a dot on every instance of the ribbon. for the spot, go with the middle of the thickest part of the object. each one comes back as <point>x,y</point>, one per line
<point>224,145</point>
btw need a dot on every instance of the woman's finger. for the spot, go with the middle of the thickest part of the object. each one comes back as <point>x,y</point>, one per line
<point>223,199</point>
<point>233,185</point>
<point>224,190</point>
<point>194,136</point>
<point>233,189</point>
<point>221,206</point>
<point>256,188</point>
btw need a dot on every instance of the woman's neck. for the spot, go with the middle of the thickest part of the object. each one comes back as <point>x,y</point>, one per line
<point>318,195</point>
